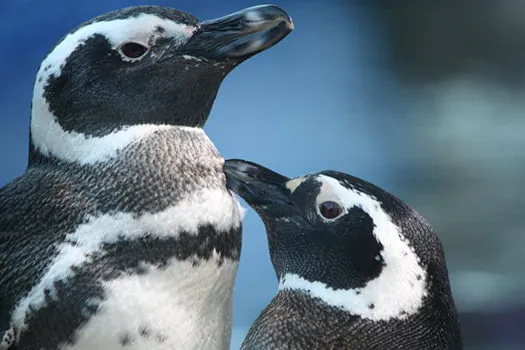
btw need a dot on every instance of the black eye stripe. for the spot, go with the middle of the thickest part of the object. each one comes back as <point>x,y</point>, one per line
<point>133,50</point>
<point>330,210</point>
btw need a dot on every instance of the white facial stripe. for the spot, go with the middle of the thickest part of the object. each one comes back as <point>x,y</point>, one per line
<point>212,206</point>
<point>400,288</point>
<point>48,136</point>
<point>140,28</point>
<point>294,183</point>
<point>328,194</point>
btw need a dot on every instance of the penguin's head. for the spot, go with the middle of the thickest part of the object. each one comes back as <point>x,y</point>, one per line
<point>143,65</point>
<point>347,242</point>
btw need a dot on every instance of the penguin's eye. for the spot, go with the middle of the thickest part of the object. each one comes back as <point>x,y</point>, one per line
<point>330,210</point>
<point>133,50</point>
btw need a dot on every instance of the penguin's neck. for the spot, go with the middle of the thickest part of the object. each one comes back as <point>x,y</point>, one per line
<point>171,155</point>
<point>440,326</point>
<point>156,168</point>
<point>70,147</point>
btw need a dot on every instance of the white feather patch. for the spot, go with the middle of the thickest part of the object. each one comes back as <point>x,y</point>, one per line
<point>213,206</point>
<point>7,339</point>
<point>182,307</point>
<point>191,58</point>
<point>50,139</point>
<point>140,29</point>
<point>294,183</point>
<point>400,288</point>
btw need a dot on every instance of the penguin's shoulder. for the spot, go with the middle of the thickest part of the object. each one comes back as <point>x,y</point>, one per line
<point>294,320</point>
<point>31,207</point>
<point>39,195</point>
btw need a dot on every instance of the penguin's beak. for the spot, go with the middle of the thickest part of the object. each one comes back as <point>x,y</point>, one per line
<point>258,186</point>
<point>241,34</point>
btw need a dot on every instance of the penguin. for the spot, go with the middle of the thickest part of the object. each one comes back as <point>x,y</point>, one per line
<point>121,233</point>
<point>357,268</point>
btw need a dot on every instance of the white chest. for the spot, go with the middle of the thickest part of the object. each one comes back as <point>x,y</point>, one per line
<point>180,307</point>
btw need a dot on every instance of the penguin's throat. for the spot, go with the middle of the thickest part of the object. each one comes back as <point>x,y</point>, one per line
<point>370,302</point>
<point>49,140</point>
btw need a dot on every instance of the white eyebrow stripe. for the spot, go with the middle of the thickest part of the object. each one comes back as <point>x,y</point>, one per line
<point>402,276</point>
<point>46,133</point>
<point>116,31</point>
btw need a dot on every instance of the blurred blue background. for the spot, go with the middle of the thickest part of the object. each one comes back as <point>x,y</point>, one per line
<point>422,98</point>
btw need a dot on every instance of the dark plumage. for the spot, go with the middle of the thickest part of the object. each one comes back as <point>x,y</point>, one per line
<point>122,221</point>
<point>357,267</point>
